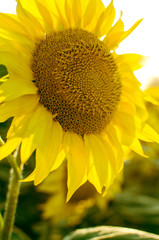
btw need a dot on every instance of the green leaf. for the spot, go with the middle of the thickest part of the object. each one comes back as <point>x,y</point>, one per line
<point>112,233</point>
<point>4,128</point>
<point>3,71</point>
<point>18,234</point>
<point>137,208</point>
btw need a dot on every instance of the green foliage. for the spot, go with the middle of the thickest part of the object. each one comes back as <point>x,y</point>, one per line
<point>113,233</point>
<point>4,126</point>
<point>3,71</point>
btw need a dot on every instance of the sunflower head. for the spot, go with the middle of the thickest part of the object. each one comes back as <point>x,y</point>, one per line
<point>77,80</point>
<point>70,95</point>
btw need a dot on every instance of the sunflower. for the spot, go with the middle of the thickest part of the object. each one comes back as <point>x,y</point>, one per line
<point>69,93</point>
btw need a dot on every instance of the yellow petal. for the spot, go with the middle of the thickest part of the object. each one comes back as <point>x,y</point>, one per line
<point>14,61</point>
<point>133,84</point>
<point>136,147</point>
<point>40,118</point>
<point>97,8</point>
<point>18,126</point>
<point>105,21</point>
<point>128,32</point>
<point>116,146</point>
<point>94,179</point>
<point>112,40</point>
<point>32,136</point>
<point>9,147</point>
<point>35,8</point>
<point>9,22</point>
<point>135,61</point>
<point>152,94</point>
<point>30,6</point>
<point>27,148</point>
<point>18,38</point>
<point>126,127</point>
<point>110,152</point>
<point>61,14</point>
<point>4,78</point>
<point>89,14</point>
<point>23,39</point>
<point>151,99</point>
<point>77,14</point>
<point>127,107</point>
<point>118,26</point>
<point>135,97</point>
<point>27,127</point>
<point>148,134</point>
<point>66,142</point>
<point>48,150</point>
<point>97,158</point>
<point>31,23</point>
<point>60,158</point>
<point>47,18</point>
<point>73,13</point>
<point>68,12</point>
<point>11,90</point>
<point>12,28</point>
<point>77,167</point>
<point>18,106</point>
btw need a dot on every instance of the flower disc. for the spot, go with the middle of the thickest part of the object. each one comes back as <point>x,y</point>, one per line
<point>77,80</point>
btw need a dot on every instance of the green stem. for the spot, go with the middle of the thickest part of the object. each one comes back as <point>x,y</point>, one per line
<point>1,223</point>
<point>11,205</point>
<point>12,197</point>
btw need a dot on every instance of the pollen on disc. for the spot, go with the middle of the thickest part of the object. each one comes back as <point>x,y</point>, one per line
<point>77,79</point>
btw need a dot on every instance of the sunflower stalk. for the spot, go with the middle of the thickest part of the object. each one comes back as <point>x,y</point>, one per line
<point>1,223</point>
<point>12,198</point>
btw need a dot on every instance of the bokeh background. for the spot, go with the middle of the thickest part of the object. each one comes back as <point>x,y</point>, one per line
<point>133,200</point>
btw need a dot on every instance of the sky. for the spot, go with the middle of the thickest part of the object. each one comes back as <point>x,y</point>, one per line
<point>144,40</point>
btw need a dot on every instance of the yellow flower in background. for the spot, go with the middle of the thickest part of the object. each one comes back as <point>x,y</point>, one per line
<point>59,212</point>
<point>70,94</point>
